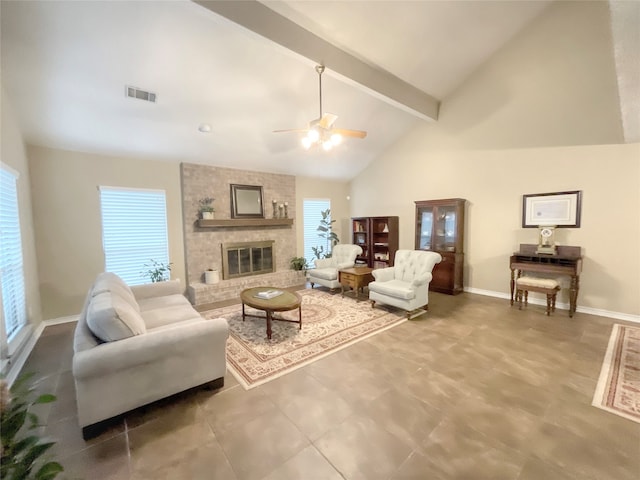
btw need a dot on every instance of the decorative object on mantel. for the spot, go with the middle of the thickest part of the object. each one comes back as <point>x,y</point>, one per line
<point>561,209</point>
<point>246,201</point>
<point>211,276</point>
<point>331,323</point>
<point>206,208</point>
<point>280,210</point>
<point>618,388</point>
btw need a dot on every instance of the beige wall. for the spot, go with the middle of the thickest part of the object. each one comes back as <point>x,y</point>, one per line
<point>66,214</point>
<point>13,154</point>
<point>541,116</point>
<point>337,192</point>
<point>67,221</point>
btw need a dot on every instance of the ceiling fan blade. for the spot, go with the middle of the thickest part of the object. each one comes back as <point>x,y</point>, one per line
<point>349,133</point>
<point>327,120</point>
<point>291,130</point>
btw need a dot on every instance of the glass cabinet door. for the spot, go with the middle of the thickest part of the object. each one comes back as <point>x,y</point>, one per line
<point>425,229</point>
<point>438,225</point>
<point>447,226</point>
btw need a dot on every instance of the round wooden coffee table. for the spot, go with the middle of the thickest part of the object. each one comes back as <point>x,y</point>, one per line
<point>281,303</point>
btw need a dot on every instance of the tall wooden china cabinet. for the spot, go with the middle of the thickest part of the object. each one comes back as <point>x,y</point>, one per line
<point>440,228</point>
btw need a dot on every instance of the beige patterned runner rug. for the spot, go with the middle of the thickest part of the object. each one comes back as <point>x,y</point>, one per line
<point>618,389</point>
<point>330,322</point>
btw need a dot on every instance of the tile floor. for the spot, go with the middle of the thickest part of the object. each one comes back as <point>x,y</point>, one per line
<point>475,389</point>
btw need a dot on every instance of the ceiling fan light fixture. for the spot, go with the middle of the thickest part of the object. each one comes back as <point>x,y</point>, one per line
<point>320,132</point>
<point>313,135</point>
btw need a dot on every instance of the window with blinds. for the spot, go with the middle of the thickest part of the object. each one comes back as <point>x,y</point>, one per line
<point>11,263</point>
<point>312,209</point>
<point>134,231</point>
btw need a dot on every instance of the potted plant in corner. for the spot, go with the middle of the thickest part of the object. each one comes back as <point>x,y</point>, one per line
<point>206,208</point>
<point>299,263</point>
<point>157,271</point>
<point>25,452</point>
<point>325,231</point>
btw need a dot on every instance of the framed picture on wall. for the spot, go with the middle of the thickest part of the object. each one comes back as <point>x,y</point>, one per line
<point>561,209</point>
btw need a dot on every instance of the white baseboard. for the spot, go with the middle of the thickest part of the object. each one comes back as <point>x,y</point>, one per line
<point>14,365</point>
<point>16,362</point>
<point>58,321</point>
<point>563,306</point>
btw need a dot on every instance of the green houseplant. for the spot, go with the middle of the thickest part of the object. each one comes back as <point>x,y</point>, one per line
<point>299,263</point>
<point>325,231</point>
<point>157,271</point>
<point>206,208</point>
<point>22,450</point>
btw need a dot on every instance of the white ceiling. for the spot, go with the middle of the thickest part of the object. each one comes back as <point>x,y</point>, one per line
<point>65,66</point>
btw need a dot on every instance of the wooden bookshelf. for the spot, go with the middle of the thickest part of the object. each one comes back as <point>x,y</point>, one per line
<point>378,238</point>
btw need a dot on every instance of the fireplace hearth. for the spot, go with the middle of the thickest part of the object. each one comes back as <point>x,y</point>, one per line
<point>242,259</point>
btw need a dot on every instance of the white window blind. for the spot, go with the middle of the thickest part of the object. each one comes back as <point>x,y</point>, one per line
<point>312,215</point>
<point>134,231</point>
<point>11,263</point>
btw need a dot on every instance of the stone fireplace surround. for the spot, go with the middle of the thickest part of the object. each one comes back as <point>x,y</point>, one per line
<point>203,245</point>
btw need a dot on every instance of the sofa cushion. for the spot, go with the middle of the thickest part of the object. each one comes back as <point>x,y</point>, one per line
<point>325,273</point>
<point>110,282</point>
<point>159,317</point>
<point>394,288</point>
<point>152,303</point>
<point>111,317</point>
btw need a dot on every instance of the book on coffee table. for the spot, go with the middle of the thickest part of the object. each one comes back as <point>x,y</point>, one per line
<point>267,294</point>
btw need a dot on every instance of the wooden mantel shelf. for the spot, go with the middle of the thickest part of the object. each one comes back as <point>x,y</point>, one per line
<point>245,222</point>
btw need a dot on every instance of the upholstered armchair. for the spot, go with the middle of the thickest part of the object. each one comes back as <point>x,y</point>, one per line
<point>343,255</point>
<point>406,284</point>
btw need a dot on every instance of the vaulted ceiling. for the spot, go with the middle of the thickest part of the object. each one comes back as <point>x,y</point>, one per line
<point>244,68</point>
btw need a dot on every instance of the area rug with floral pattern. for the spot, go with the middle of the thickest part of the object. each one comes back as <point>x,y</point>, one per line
<point>330,322</point>
<point>618,389</point>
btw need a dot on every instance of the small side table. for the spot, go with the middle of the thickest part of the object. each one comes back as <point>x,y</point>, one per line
<point>356,278</point>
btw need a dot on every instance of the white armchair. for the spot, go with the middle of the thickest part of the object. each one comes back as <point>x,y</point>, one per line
<point>343,255</point>
<point>406,284</point>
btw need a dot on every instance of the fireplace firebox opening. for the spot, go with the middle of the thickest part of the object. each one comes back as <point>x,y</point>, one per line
<point>242,259</point>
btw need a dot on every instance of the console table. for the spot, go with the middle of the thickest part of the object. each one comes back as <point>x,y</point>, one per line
<point>567,261</point>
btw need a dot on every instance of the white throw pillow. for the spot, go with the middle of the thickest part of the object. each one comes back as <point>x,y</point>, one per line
<point>110,282</point>
<point>110,318</point>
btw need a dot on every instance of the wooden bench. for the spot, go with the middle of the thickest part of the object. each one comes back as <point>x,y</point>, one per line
<point>548,286</point>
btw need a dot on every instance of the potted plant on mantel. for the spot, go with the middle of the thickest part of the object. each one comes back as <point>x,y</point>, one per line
<point>206,208</point>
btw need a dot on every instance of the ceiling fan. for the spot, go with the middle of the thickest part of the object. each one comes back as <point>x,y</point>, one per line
<point>320,131</point>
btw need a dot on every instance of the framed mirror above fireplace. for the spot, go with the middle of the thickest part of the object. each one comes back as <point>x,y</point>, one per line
<point>246,201</point>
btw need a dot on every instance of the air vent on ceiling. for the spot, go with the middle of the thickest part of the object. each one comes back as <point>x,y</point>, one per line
<point>134,92</point>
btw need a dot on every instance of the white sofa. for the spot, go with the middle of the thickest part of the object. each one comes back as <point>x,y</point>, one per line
<point>136,345</point>
<point>343,255</point>
<point>406,284</point>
